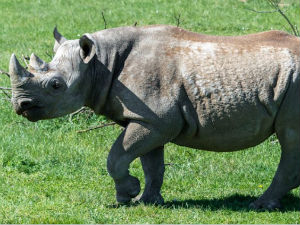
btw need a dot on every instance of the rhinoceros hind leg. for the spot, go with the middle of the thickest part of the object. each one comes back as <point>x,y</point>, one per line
<point>265,205</point>
<point>153,166</point>
<point>287,175</point>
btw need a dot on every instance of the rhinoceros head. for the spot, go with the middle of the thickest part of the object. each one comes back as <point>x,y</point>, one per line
<point>48,90</point>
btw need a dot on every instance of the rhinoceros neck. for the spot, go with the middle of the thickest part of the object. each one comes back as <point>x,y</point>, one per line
<point>113,49</point>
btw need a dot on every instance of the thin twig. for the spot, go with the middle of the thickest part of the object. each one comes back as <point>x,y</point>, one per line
<point>7,95</point>
<point>177,18</point>
<point>276,6</point>
<point>96,127</point>
<point>103,17</point>
<point>298,34</point>
<point>25,58</point>
<point>289,22</point>
<point>5,88</point>
<point>50,55</point>
<point>253,10</point>
<point>5,73</point>
<point>170,164</point>
<point>76,112</point>
<point>284,27</point>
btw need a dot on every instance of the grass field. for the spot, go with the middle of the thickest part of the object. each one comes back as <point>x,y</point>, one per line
<point>51,174</point>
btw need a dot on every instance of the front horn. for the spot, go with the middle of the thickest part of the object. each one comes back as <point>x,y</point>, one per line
<point>16,71</point>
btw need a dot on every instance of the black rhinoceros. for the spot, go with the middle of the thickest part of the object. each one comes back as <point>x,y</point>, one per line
<point>164,84</point>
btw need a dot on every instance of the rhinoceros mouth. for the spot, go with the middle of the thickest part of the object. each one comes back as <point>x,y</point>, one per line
<point>33,113</point>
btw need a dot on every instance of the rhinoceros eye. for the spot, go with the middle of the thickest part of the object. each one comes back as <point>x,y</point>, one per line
<point>55,84</point>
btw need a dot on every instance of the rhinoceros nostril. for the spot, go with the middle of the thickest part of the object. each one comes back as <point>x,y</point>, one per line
<point>25,104</point>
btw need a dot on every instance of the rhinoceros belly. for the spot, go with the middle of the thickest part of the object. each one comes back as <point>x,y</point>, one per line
<point>226,128</point>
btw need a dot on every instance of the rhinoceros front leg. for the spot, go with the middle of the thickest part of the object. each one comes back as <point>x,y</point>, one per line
<point>287,175</point>
<point>136,140</point>
<point>154,168</point>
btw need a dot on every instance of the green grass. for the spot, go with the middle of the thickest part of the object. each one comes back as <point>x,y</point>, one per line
<point>51,174</point>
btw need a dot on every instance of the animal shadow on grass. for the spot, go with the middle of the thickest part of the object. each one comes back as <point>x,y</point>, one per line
<point>234,202</point>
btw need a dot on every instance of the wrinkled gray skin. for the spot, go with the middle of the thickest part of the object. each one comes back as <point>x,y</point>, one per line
<point>165,84</point>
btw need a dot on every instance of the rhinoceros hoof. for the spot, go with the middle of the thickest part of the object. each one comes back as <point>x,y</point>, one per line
<point>265,205</point>
<point>155,199</point>
<point>127,189</point>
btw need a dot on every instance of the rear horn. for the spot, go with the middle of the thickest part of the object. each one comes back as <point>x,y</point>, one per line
<point>36,63</point>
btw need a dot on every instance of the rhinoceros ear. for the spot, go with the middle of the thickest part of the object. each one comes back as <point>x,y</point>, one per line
<point>59,39</point>
<point>87,48</point>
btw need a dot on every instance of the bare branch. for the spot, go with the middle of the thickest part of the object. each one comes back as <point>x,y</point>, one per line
<point>97,127</point>
<point>170,164</point>
<point>296,28</point>
<point>103,17</point>
<point>5,88</point>
<point>5,73</point>
<point>4,91</point>
<point>25,59</point>
<point>289,22</point>
<point>274,2</point>
<point>177,18</point>
<point>284,27</point>
<point>253,10</point>
<point>76,112</point>
<point>8,97</point>
<point>275,5</point>
<point>50,55</point>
